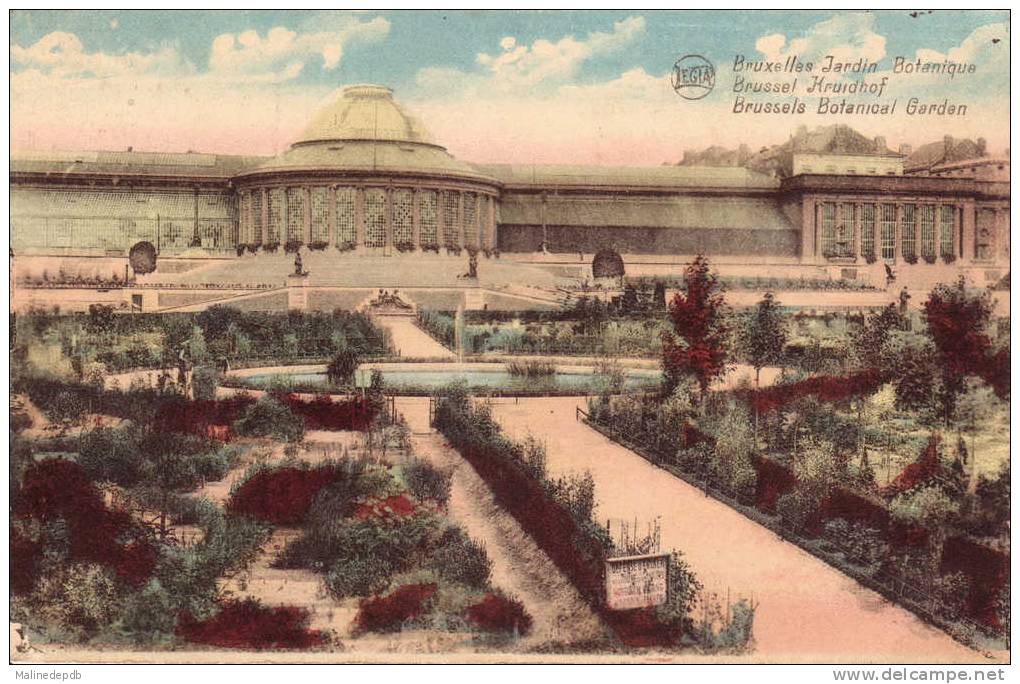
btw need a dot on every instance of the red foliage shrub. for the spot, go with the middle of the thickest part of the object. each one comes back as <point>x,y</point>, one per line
<point>220,433</point>
<point>25,557</point>
<point>773,480</point>
<point>383,613</point>
<point>986,568</point>
<point>250,625</point>
<point>281,496</point>
<point>323,413</point>
<point>640,628</point>
<point>391,508</point>
<point>495,613</point>
<point>58,489</point>
<point>826,388</point>
<point>923,469</point>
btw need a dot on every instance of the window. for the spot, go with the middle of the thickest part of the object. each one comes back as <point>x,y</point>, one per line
<point>258,230</point>
<point>427,217</point>
<point>828,229</point>
<point>908,232</point>
<point>402,217</point>
<point>868,230</point>
<point>345,231</point>
<point>928,232</point>
<point>451,218</point>
<point>295,213</point>
<point>470,219</point>
<point>275,226</point>
<point>320,215</point>
<point>888,231</point>
<point>947,224</point>
<point>375,217</point>
<point>845,232</point>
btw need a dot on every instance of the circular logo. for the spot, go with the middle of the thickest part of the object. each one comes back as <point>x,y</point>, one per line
<point>693,77</point>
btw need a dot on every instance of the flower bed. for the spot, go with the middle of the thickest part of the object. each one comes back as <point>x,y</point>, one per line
<point>58,490</point>
<point>387,613</point>
<point>250,625</point>
<point>281,496</point>
<point>496,613</point>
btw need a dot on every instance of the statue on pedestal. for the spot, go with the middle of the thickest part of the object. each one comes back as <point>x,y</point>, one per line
<point>298,267</point>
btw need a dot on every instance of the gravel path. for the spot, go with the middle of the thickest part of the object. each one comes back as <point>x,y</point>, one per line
<point>519,567</point>
<point>807,611</point>
<point>410,341</point>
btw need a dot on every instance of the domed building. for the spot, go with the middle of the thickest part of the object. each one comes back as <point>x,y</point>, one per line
<point>366,181</point>
<point>365,175</point>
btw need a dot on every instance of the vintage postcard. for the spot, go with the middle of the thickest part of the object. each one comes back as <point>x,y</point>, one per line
<point>510,337</point>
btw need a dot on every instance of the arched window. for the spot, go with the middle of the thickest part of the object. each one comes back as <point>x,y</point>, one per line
<point>947,225</point>
<point>345,218</point>
<point>429,235</point>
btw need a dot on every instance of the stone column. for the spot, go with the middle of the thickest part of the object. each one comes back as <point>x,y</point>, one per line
<point>416,218</point>
<point>359,218</point>
<point>388,221</point>
<point>490,222</point>
<point>285,214</point>
<point>440,218</point>
<point>858,226</point>
<point>307,238</point>
<point>331,215</point>
<point>264,235</point>
<point>897,234</point>
<point>968,237</point>
<point>460,219</point>
<point>808,228</point>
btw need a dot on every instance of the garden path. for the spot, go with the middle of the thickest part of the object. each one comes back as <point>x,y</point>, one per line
<point>807,611</point>
<point>519,567</point>
<point>410,341</point>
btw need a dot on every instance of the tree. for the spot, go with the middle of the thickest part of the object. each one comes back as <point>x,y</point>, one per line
<point>761,338</point>
<point>869,340</point>
<point>698,316</point>
<point>762,335</point>
<point>957,324</point>
<point>155,467</point>
<point>343,366</point>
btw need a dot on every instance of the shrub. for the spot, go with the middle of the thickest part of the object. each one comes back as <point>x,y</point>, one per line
<point>89,597</point>
<point>497,613</point>
<point>268,417</point>
<point>387,613</point>
<point>458,558</point>
<point>249,624</point>
<point>530,369</point>
<point>426,482</point>
<point>204,380</point>
<point>111,455</point>
<point>280,496</point>
<point>358,576</point>
<point>148,614</point>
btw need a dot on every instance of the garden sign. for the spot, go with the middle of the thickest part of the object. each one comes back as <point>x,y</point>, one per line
<point>637,581</point>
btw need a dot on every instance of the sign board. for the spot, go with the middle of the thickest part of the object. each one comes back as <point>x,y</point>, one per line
<point>637,581</point>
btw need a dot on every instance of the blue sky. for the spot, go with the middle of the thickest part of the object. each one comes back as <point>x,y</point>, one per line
<point>459,65</point>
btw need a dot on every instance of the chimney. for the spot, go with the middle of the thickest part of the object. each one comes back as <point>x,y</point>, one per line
<point>880,146</point>
<point>906,149</point>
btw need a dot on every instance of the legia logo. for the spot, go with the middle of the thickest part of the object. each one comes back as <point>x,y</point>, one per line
<point>693,77</point>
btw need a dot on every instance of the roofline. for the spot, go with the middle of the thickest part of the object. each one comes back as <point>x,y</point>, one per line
<point>822,183</point>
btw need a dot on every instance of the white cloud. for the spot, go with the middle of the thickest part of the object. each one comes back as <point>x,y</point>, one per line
<point>544,60</point>
<point>281,54</point>
<point>62,55</point>
<point>847,37</point>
